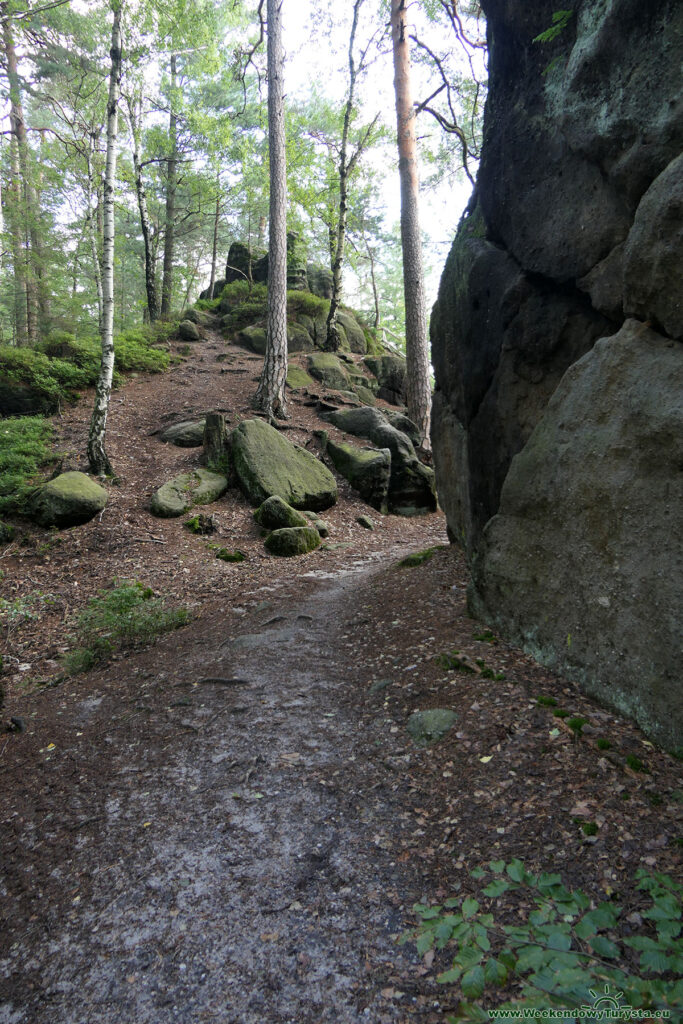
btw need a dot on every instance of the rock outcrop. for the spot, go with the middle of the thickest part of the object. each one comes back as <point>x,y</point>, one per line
<point>575,226</point>
<point>198,487</point>
<point>266,463</point>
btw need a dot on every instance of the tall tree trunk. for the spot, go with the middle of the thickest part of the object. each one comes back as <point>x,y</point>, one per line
<point>270,395</point>
<point>214,247</point>
<point>24,325</point>
<point>135,117</point>
<point>333,340</point>
<point>417,351</point>
<point>171,186</point>
<point>36,278</point>
<point>91,228</point>
<point>97,456</point>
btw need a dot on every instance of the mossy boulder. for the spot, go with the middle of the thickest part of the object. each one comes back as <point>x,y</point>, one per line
<point>198,316</point>
<point>328,368</point>
<point>298,338</point>
<point>354,332</point>
<point>68,500</point>
<point>188,434</point>
<point>253,338</point>
<point>368,470</point>
<point>266,463</point>
<point>298,379</point>
<point>188,331</point>
<point>390,372</point>
<point>365,395</point>
<point>297,540</point>
<point>276,514</point>
<point>427,727</point>
<point>199,487</point>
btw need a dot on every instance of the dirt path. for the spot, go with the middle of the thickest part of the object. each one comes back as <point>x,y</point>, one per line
<point>175,847</point>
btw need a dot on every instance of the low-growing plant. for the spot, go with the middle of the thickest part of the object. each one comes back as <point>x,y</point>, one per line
<point>307,303</point>
<point>49,380</point>
<point>417,558</point>
<point>486,636</point>
<point>576,724</point>
<point>603,744</point>
<point>559,713</point>
<point>558,948</point>
<point>134,352</point>
<point>455,662</point>
<point>25,608</point>
<point>635,764</point>
<point>25,448</point>
<point>237,292</point>
<point>546,702</point>
<point>127,614</point>
<point>230,556</point>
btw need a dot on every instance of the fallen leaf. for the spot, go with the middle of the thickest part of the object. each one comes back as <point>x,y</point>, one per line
<point>485,760</point>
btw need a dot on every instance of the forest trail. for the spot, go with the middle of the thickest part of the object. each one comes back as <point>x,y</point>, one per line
<point>233,824</point>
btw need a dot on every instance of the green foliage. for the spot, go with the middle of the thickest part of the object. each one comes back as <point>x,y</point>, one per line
<point>135,352</point>
<point>635,764</point>
<point>577,724</point>
<point>546,702</point>
<point>454,662</point>
<point>603,744</point>
<point>25,446</point>
<point>560,21</point>
<point>244,315</point>
<point>237,292</point>
<point>51,380</point>
<point>307,303</point>
<point>24,609</point>
<point>561,948</point>
<point>487,637</point>
<point>84,353</point>
<point>127,614</point>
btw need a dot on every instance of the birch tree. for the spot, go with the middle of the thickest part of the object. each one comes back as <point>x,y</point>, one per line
<point>417,352</point>
<point>270,395</point>
<point>97,456</point>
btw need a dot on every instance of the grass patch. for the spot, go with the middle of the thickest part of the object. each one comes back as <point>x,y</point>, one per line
<point>486,637</point>
<point>237,292</point>
<point>126,615</point>
<point>308,304</point>
<point>25,447</point>
<point>559,713</point>
<point>589,828</point>
<point>546,702</point>
<point>576,724</point>
<point>635,764</point>
<point>230,556</point>
<point>603,744</point>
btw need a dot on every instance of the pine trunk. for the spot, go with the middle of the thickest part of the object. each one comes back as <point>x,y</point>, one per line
<point>171,187</point>
<point>417,351</point>
<point>97,456</point>
<point>150,264</point>
<point>270,396</point>
<point>24,304</point>
<point>214,248</point>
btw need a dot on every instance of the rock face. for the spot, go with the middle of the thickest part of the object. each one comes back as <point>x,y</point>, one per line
<point>368,470</point>
<point>68,500</point>
<point>575,225</point>
<point>266,463</point>
<point>390,372</point>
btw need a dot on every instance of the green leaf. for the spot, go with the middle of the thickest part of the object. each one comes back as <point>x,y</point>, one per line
<point>497,866</point>
<point>425,941</point>
<point>604,947</point>
<point>449,977</point>
<point>515,870</point>
<point>656,961</point>
<point>469,907</point>
<point>558,939</point>
<point>532,958</point>
<point>473,983</point>
<point>547,881</point>
<point>481,938</point>
<point>496,888</point>
<point>477,873</point>
<point>495,972</point>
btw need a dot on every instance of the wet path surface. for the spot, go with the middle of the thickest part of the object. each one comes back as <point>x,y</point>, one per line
<point>246,862</point>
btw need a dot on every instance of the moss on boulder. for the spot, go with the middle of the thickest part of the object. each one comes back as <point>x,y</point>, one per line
<point>276,514</point>
<point>68,500</point>
<point>188,434</point>
<point>188,331</point>
<point>297,378</point>
<point>368,470</point>
<point>297,540</point>
<point>266,463</point>
<point>199,487</point>
<point>327,368</point>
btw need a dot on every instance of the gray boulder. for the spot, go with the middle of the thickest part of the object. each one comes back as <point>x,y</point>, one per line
<point>427,727</point>
<point>198,316</point>
<point>253,338</point>
<point>188,331</point>
<point>276,514</point>
<point>198,487</point>
<point>69,500</point>
<point>583,563</point>
<point>266,463</point>
<point>188,434</point>
<point>390,372</point>
<point>412,488</point>
<point>368,470</point>
<point>297,540</point>
<point>327,368</point>
<point>319,280</point>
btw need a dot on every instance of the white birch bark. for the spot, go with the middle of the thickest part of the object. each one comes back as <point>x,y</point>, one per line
<point>417,349</point>
<point>270,395</point>
<point>97,456</point>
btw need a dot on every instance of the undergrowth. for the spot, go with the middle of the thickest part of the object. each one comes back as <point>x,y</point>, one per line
<point>558,948</point>
<point>25,447</point>
<point>125,615</point>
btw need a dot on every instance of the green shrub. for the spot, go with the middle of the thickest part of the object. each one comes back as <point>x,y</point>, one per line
<point>84,353</point>
<point>237,292</point>
<point>25,446</point>
<point>134,352</point>
<point>244,315</point>
<point>51,380</point>
<point>306,303</point>
<point>557,947</point>
<point>127,614</point>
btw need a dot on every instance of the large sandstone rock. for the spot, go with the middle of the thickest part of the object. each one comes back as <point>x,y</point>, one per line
<point>198,487</point>
<point>68,500</point>
<point>583,563</point>
<point>290,541</point>
<point>188,434</point>
<point>390,372</point>
<point>575,225</point>
<point>327,368</point>
<point>368,470</point>
<point>188,331</point>
<point>411,485</point>
<point>266,463</point>
<point>276,514</point>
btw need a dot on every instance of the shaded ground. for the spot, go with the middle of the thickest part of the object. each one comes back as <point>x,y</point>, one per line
<point>233,824</point>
